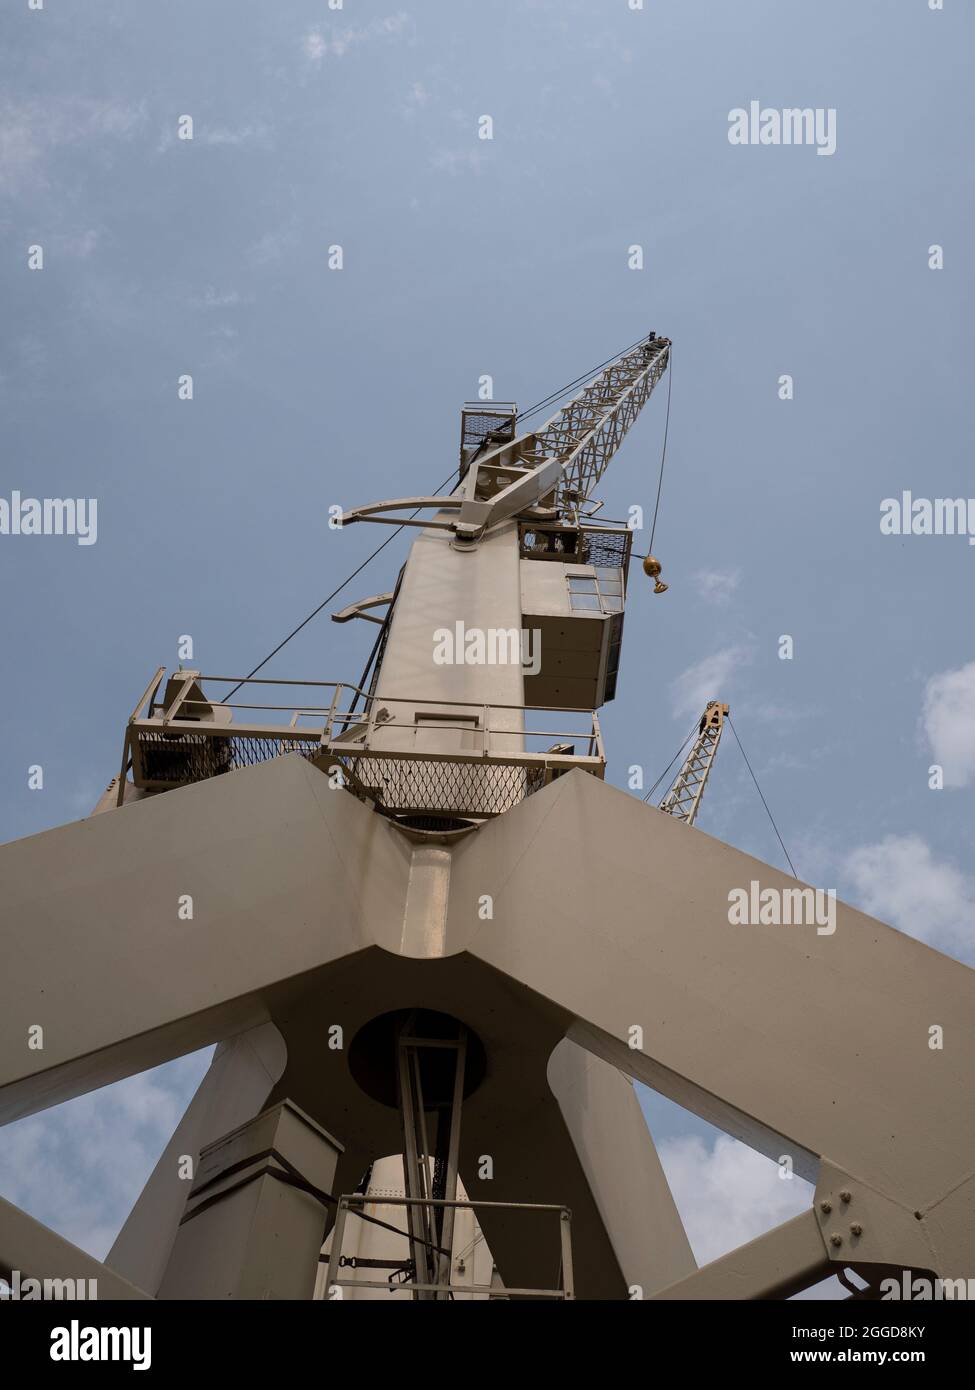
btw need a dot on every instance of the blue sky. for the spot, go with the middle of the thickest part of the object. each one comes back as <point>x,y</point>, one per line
<point>315,127</point>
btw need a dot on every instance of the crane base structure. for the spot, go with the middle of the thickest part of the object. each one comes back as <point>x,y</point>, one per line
<point>420,929</point>
<point>800,1044</point>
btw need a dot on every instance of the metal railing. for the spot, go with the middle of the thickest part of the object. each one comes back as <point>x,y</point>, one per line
<point>604,545</point>
<point>352,1204</point>
<point>186,739</point>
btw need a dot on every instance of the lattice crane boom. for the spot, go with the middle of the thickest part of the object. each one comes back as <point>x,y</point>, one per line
<point>586,433</point>
<point>684,798</point>
<point>548,470</point>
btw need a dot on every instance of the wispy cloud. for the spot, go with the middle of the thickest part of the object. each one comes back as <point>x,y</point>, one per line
<point>214,299</point>
<point>78,245</point>
<point>257,134</point>
<point>273,245</point>
<point>32,131</point>
<point>707,680</point>
<point>315,46</point>
<point>717,586</point>
<point>224,347</point>
<point>319,43</point>
<point>948,720</point>
<point>455,162</point>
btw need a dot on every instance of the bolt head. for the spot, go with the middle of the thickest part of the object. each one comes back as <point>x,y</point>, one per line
<point>856,1229</point>
<point>846,1196</point>
<point>835,1239</point>
<point>826,1207</point>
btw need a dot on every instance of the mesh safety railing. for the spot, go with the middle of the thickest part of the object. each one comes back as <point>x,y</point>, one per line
<point>186,740</point>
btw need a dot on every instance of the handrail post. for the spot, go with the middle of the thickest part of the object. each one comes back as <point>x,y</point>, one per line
<point>327,732</point>
<point>338,1231</point>
<point>565,1217</point>
<point>370,726</point>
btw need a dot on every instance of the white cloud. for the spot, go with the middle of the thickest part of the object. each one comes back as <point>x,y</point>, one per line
<point>717,586</point>
<point>707,680</point>
<point>314,46</point>
<point>78,244</point>
<point>458,161</point>
<point>389,27</point>
<point>948,718</point>
<point>79,1166</point>
<point>729,1194</point>
<point>900,881</point>
<point>214,300</point>
<point>273,245</point>
<point>258,134</point>
<point>317,45</point>
<point>31,131</point>
<point>769,712</point>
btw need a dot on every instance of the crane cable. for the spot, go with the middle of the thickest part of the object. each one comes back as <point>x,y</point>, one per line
<point>754,779</point>
<point>586,376</point>
<point>663,452</point>
<point>671,763</point>
<point>764,802</point>
<point>663,455</point>
<point>335,592</point>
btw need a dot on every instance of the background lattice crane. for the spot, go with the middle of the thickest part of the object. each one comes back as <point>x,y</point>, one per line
<point>684,798</point>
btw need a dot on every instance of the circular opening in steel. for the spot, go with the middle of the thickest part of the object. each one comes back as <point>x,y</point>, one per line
<point>373,1056</point>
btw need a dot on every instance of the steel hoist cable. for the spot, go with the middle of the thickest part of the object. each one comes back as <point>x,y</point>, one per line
<point>389,539</point>
<point>764,802</point>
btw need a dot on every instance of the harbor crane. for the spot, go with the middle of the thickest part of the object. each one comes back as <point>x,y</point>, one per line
<point>434,948</point>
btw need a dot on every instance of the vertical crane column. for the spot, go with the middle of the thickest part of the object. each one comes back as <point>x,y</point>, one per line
<point>462,584</point>
<point>450,596</point>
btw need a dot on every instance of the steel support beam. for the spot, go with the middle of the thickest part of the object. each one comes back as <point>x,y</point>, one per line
<point>776,1265</point>
<point>234,1090</point>
<point>255,1217</point>
<point>809,1044</point>
<point>30,1250</point>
